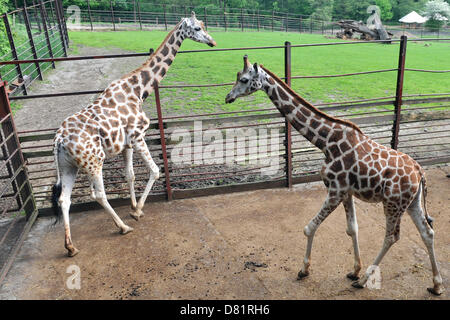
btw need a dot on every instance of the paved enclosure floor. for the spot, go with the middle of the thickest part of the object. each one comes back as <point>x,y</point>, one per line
<point>237,246</point>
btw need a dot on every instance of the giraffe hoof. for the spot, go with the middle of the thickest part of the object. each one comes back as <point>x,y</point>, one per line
<point>302,275</point>
<point>73,252</point>
<point>136,214</point>
<point>126,230</point>
<point>352,276</point>
<point>356,284</point>
<point>436,292</point>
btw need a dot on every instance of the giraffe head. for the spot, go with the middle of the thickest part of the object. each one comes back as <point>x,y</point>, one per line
<point>195,30</point>
<point>248,81</point>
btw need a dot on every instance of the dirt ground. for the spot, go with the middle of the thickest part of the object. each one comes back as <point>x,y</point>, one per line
<point>237,246</point>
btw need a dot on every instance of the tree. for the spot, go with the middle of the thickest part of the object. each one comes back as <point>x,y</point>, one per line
<point>322,9</point>
<point>437,11</point>
<point>386,9</point>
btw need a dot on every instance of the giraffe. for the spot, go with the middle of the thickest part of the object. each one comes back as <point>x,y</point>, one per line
<point>114,124</point>
<point>355,165</point>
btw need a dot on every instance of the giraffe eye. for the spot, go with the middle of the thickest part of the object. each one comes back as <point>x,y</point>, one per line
<point>244,80</point>
<point>197,28</point>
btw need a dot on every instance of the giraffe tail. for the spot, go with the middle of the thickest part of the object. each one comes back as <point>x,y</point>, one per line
<point>57,188</point>
<point>423,181</point>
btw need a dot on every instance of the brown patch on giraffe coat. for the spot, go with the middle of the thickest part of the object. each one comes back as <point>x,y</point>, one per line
<point>172,39</point>
<point>114,123</point>
<point>344,147</point>
<point>314,124</point>
<point>286,109</point>
<point>145,75</point>
<point>336,136</point>
<point>168,61</point>
<point>165,51</point>
<point>162,72</point>
<point>108,104</point>
<point>123,110</point>
<point>134,80</point>
<point>353,180</point>
<point>336,166</point>
<point>334,151</point>
<point>119,97</point>
<point>324,131</point>
<point>349,160</point>
<point>270,80</point>
<point>300,117</point>
<point>282,94</point>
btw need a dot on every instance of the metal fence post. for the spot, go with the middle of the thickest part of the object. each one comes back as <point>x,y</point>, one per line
<point>13,50</point>
<point>60,27</point>
<point>63,22</point>
<point>206,18</point>
<point>225,18</point>
<point>399,92</point>
<point>287,21</point>
<point>242,19</point>
<point>139,14</point>
<point>273,16</point>
<point>288,126</point>
<point>112,15</point>
<point>90,15</point>
<point>47,38</point>
<point>165,18</point>
<point>35,16</point>
<point>300,25</point>
<point>163,142</point>
<point>257,21</point>
<point>30,39</point>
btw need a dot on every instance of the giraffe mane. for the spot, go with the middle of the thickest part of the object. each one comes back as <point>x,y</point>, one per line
<point>308,104</point>
<point>154,52</point>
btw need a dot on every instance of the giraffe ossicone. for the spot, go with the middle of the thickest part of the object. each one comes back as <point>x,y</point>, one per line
<point>355,165</point>
<point>114,124</point>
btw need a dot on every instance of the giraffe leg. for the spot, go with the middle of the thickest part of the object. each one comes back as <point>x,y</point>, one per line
<point>142,150</point>
<point>416,213</point>
<point>129,173</point>
<point>68,174</point>
<point>330,204</point>
<point>100,196</point>
<point>352,231</point>
<point>392,235</point>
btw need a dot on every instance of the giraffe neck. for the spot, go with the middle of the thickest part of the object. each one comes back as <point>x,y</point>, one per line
<point>155,68</point>
<point>316,126</point>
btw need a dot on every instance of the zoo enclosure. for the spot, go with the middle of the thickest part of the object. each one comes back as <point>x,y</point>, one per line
<point>407,129</point>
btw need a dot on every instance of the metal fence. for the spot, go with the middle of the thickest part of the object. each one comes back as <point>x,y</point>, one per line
<point>35,32</point>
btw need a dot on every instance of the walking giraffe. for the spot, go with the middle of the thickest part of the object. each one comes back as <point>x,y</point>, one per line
<point>354,165</point>
<point>115,123</point>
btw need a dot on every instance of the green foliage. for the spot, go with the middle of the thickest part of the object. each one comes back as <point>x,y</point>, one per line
<point>4,46</point>
<point>386,9</point>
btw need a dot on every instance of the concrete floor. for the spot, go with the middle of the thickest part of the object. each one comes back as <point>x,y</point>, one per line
<point>237,246</point>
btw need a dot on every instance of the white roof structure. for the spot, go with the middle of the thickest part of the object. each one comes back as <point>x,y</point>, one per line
<point>413,17</point>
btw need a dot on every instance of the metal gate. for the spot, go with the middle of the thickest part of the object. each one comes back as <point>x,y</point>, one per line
<point>17,205</point>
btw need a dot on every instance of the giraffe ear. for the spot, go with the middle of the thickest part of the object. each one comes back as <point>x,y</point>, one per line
<point>193,15</point>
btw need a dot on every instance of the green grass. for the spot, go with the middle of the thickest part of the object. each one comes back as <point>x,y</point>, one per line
<point>219,67</point>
